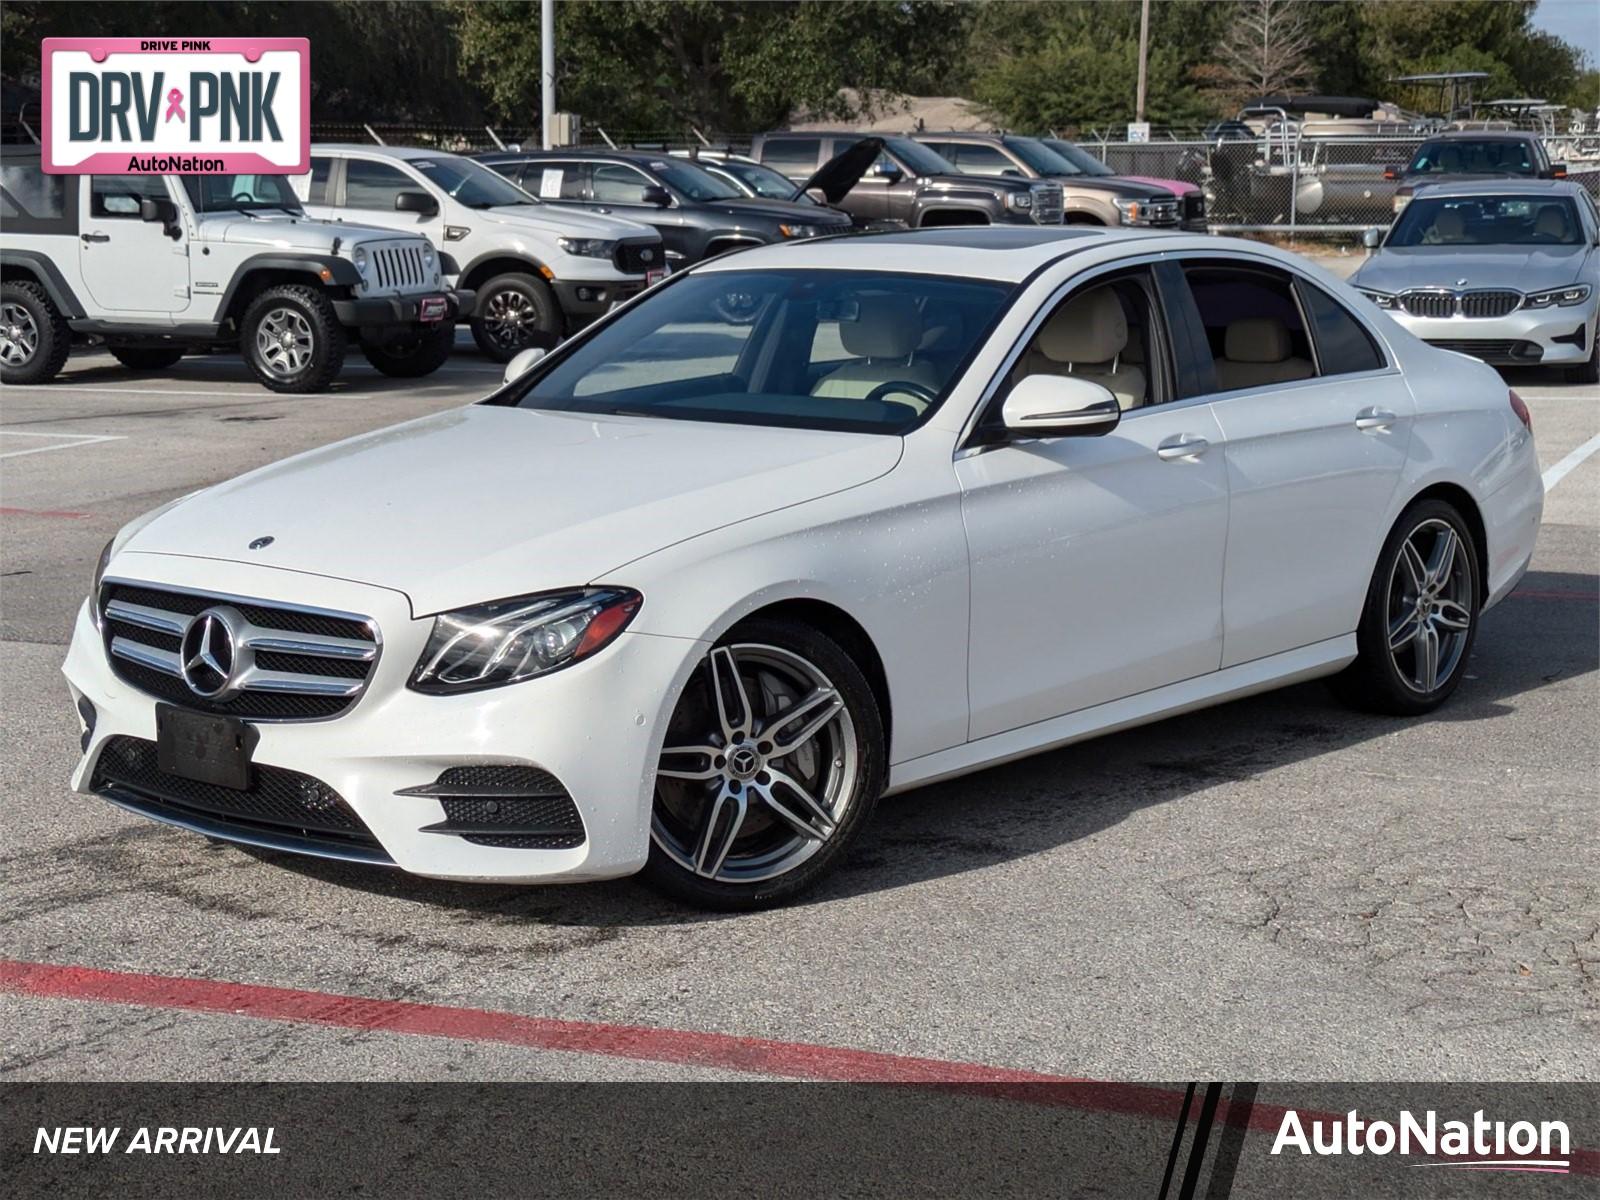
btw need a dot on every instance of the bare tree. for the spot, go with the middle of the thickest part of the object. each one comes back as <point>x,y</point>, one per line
<point>1268,49</point>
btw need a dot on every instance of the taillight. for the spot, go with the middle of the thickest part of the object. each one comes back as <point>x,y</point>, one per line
<point>1521,409</point>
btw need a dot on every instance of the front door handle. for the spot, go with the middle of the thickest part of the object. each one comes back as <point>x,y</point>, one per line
<point>1184,445</point>
<point>95,237</point>
<point>1375,418</point>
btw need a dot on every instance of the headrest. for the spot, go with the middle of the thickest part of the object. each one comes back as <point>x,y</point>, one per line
<point>1256,339</point>
<point>1450,223</point>
<point>1552,221</point>
<point>885,327</point>
<point>1091,328</point>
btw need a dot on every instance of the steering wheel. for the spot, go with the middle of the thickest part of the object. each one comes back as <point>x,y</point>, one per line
<point>243,197</point>
<point>905,387</point>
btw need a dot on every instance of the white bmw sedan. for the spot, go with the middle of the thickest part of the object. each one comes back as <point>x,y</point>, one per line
<point>800,526</point>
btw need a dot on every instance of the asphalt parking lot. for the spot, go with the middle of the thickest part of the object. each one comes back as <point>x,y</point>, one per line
<point>1273,889</point>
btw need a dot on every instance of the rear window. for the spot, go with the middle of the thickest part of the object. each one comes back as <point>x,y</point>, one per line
<point>33,202</point>
<point>791,156</point>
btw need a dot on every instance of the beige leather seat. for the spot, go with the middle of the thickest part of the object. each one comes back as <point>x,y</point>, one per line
<point>886,333</point>
<point>1552,223</point>
<point>1087,337</point>
<point>1256,352</point>
<point>1449,226</point>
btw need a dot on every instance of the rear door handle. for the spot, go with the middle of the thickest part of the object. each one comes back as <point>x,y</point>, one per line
<point>1375,418</point>
<point>95,237</point>
<point>1184,445</point>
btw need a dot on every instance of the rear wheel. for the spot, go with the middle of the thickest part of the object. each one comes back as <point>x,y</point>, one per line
<point>1421,615</point>
<point>34,337</point>
<point>773,762</point>
<point>139,358</point>
<point>417,352</point>
<point>515,312</point>
<point>292,340</point>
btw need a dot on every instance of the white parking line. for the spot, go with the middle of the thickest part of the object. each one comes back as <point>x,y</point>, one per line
<point>73,441</point>
<point>1564,468</point>
<point>112,391</point>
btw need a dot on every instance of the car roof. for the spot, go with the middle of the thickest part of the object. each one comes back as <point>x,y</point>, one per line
<point>1482,135</point>
<point>1001,253</point>
<point>576,152</point>
<point>402,153</point>
<point>1502,186</point>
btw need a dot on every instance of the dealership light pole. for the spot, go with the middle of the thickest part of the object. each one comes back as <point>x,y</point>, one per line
<point>1144,56</point>
<point>547,69</point>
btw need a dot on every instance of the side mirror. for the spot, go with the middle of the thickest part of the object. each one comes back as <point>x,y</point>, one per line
<point>165,211</point>
<point>522,363</point>
<point>655,194</point>
<point>416,202</point>
<point>1371,238</point>
<point>1558,170</point>
<point>1052,406</point>
<point>1391,173</point>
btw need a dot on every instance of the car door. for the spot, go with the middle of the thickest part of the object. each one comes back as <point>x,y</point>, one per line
<point>1317,425</point>
<point>1096,562</point>
<point>130,265</point>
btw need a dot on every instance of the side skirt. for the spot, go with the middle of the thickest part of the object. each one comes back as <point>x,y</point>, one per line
<point>1244,679</point>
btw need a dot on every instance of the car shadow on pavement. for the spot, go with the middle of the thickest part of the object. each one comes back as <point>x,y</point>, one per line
<point>1544,633</point>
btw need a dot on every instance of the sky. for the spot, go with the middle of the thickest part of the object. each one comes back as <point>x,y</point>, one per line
<point>1575,21</point>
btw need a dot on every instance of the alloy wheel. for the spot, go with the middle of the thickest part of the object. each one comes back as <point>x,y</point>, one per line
<point>284,341</point>
<point>510,319</point>
<point>19,335</point>
<point>1430,606</point>
<point>760,766</point>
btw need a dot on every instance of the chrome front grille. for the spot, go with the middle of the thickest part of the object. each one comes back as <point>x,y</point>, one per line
<point>400,268</point>
<point>1429,304</point>
<point>287,663</point>
<point>1489,303</point>
<point>1047,203</point>
<point>1485,302</point>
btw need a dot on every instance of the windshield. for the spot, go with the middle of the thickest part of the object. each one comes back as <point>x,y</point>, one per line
<point>1084,162</point>
<point>1487,221</point>
<point>243,193</point>
<point>917,158</point>
<point>690,181</point>
<point>1039,156</point>
<point>847,350</point>
<point>763,181</point>
<point>470,183</point>
<point>1458,157</point>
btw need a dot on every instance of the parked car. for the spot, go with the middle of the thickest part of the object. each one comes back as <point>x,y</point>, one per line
<point>540,271</point>
<point>803,524</point>
<point>1191,199</point>
<point>898,183</point>
<point>155,266</point>
<point>1086,200</point>
<point>697,215</point>
<point>1474,154</point>
<point>1506,270</point>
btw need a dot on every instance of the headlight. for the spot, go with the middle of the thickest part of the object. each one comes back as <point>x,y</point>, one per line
<point>587,247</point>
<point>1129,210</point>
<point>1381,299</point>
<point>506,641</point>
<point>1565,297</point>
<point>1019,200</point>
<point>1401,199</point>
<point>428,256</point>
<point>359,257</point>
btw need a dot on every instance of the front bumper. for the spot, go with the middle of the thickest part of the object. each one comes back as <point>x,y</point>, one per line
<point>582,300</point>
<point>402,310</point>
<point>596,727</point>
<point>1553,336</point>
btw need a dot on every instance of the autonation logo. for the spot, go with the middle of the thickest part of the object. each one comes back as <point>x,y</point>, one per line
<point>1478,1145</point>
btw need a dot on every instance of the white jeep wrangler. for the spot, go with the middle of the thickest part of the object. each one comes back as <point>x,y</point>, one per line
<point>154,266</point>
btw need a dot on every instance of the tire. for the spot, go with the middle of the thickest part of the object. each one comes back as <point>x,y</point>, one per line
<point>413,354</point>
<point>34,337</point>
<point>1397,681</point>
<point>738,817</point>
<point>513,313</point>
<point>1588,372</point>
<point>306,315</point>
<point>138,358</point>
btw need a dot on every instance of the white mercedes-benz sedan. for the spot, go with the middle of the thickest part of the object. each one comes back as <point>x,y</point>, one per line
<point>797,527</point>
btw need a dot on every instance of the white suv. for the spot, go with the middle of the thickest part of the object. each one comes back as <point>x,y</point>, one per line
<point>155,266</point>
<point>540,272</point>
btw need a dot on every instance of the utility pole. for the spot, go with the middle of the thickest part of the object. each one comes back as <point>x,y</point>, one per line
<point>1144,56</point>
<point>547,69</point>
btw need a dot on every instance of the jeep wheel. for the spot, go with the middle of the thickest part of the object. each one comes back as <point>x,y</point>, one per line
<point>140,358</point>
<point>292,340</point>
<point>34,338</point>
<point>514,313</point>
<point>410,355</point>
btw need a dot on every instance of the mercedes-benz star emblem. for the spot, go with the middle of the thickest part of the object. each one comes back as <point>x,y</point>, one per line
<point>261,543</point>
<point>211,658</point>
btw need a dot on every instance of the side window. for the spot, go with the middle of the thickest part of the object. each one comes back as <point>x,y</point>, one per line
<point>556,180</point>
<point>321,170</point>
<point>118,196</point>
<point>1252,323</point>
<point>374,185</point>
<point>33,202</point>
<point>613,183</point>
<point>1107,333</point>
<point>792,156</point>
<point>983,160</point>
<point>1343,346</point>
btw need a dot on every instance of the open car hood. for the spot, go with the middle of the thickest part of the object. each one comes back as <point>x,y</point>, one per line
<point>843,171</point>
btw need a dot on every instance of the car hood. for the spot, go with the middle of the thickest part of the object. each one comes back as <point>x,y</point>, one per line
<point>776,210</point>
<point>844,170</point>
<point>484,502</point>
<point>1176,186</point>
<point>1124,187</point>
<point>1523,268</point>
<point>563,222</point>
<point>282,232</point>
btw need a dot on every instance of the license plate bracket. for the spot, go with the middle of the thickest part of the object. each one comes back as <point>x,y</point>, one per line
<point>432,308</point>
<point>204,747</point>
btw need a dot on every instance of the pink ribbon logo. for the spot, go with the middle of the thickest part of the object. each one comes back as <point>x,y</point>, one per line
<point>175,105</point>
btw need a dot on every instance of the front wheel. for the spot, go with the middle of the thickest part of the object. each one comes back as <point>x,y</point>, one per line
<point>413,354</point>
<point>515,312</point>
<point>1420,617</point>
<point>773,762</point>
<point>292,340</point>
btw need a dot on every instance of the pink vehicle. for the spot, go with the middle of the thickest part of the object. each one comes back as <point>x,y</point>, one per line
<point>1192,198</point>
